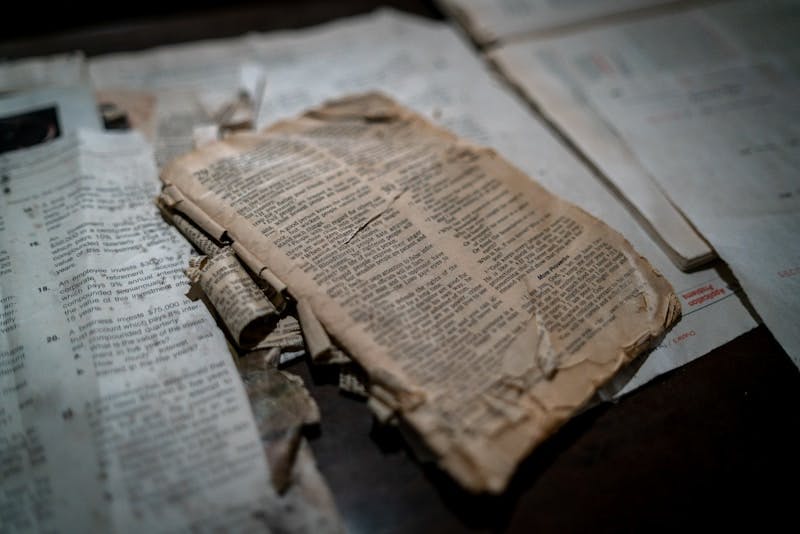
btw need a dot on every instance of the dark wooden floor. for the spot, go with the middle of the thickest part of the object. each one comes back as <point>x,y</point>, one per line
<point>715,443</point>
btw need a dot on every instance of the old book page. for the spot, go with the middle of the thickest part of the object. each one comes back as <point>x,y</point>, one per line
<point>485,310</point>
<point>121,407</point>
<point>736,133</point>
<point>440,77</point>
<point>489,21</point>
<point>555,73</point>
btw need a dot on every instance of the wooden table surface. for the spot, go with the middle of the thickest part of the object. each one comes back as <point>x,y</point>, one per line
<point>714,444</point>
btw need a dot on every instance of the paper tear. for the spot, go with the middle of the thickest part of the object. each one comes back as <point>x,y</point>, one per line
<point>374,217</point>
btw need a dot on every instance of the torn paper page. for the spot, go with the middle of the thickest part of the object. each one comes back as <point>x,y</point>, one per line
<point>272,288</point>
<point>487,309</point>
<point>282,407</point>
<point>201,241</point>
<point>440,77</point>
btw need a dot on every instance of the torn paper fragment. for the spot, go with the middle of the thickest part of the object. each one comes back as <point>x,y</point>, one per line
<point>281,406</point>
<point>286,336</point>
<point>319,345</point>
<point>204,134</point>
<point>244,309</point>
<point>191,232</point>
<point>353,380</point>
<point>444,79</point>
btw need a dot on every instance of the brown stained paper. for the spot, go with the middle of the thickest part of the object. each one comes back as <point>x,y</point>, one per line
<point>484,309</point>
<point>353,381</point>
<point>192,233</point>
<point>281,406</point>
<point>319,344</point>
<point>273,288</point>
<point>204,134</point>
<point>235,296</point>
<point>285,336</point>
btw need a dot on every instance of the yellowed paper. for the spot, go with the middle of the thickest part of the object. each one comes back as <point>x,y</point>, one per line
<point>192,233</point>
<point>353,381</point>
<point>233,293</point>
<point>285,336</point>
<point>205,134</point>
<point>484,309</point>
<point>442,78</point>
<point>281,406</point>
<point>319,344</point>
<point>269,284</point>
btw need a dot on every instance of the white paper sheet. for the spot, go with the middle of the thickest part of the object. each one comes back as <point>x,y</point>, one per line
<point>440,77</point>
<point>120,406</point>
<point>492,20</point>
<point>725,143</point>
<point>554,73</point>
